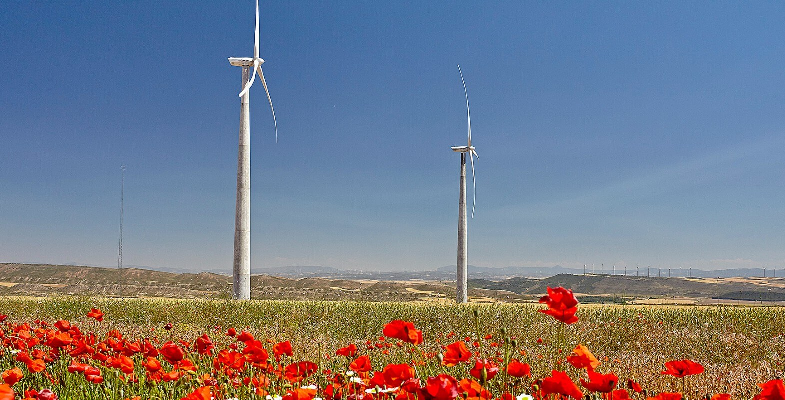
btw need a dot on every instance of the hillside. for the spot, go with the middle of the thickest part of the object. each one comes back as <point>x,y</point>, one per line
<point>751,289</point>
<point>45,280</point>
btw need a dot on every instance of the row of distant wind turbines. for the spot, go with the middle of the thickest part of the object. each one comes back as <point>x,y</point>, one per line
<point>242,230</point>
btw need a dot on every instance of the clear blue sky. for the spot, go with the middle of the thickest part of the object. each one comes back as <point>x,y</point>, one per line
<point>622,133</point>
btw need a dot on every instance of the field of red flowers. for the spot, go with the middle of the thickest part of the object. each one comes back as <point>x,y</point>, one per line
<point>85,348</point>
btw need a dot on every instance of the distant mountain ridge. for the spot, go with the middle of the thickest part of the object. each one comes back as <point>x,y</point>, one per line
<point>475,272</point>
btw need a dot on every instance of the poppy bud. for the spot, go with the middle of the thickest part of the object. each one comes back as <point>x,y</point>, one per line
<point>503,331</point>
<point>440,356</point>
<point>484,376</point>
<point>514,343</point>
<point>476,313</point>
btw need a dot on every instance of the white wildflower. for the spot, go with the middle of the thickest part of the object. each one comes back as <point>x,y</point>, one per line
<point>380,390</point>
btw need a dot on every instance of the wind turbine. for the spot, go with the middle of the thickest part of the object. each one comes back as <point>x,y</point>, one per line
<point>242,220</point>
<point>461,289</point>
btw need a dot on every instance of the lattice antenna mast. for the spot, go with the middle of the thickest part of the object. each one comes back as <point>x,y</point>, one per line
<point>122,201</point>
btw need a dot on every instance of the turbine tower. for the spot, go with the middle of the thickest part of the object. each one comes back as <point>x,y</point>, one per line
<point>242,221</point>
<point>461,295</point>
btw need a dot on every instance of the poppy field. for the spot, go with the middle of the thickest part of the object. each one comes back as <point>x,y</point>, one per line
<point>98,348</point>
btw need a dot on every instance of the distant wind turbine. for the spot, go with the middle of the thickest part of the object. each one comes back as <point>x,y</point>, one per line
<point>461,289</point>
<point>242,221</point>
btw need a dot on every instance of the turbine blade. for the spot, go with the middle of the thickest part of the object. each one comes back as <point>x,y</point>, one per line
<point>256,33</point>
<point>264,83</point>
<point>468,115</point>
<point>474,183</point>
<point>248,85</point>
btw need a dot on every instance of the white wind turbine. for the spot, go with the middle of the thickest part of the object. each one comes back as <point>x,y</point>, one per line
<point>242,221</point>
<point>461,290</point>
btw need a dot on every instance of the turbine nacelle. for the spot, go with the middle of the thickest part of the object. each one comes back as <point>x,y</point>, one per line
<point>255,63</point>
<point>244,61</point>
<point>468,148</point>
<point>464,149</point>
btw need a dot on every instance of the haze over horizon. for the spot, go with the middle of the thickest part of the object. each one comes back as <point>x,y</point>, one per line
<point>614,132</point>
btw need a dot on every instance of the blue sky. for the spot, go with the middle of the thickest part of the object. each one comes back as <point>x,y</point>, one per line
<point>627,133</point>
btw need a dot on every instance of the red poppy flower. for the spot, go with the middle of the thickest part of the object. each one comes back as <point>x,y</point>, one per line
<point>186,365</point>
<point>123,363</point>
<point>96,314</point>
<point>561,303</point>
<point>91,371</point>
<point>361,364</point>
<point>666,396</point>
<point>721,396</point>
<point>80,347</point>
<point>46,394</point>
<point>394,374</point>
<point>171,376</point>
<point>300,394</point>
<point>348,351</point>
<point>518,369</point>
<point>377,380</point>
<point>201,393</point>
<point>231,332</point>
<point>299,371</point>
<point>152,364</point>
<point>75,367</point>
<point>484,370</point>
<point>618,394</point>
<point>472,390</point>
<point>229,359</point>
<point>255,352</point>
<point>442,387</point>
<point>403,330</point>
<point>172,352</point>
<point>59,339</point>
<point>581,357</point>
<point>6,393</point>
<point>631,384</point>
<point>149,349</point>
<point>456,353</point>
<point>12,376</point>
<point>36,365</point>
<point>599,382</point>
<point>204,345</point>
<point>282,349</point>
<point>244,336</point>
<point>682,368</point>
<point>771,390</point>
<point>95,379</point>
<point>63,325</point>
<point>559,382</point>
